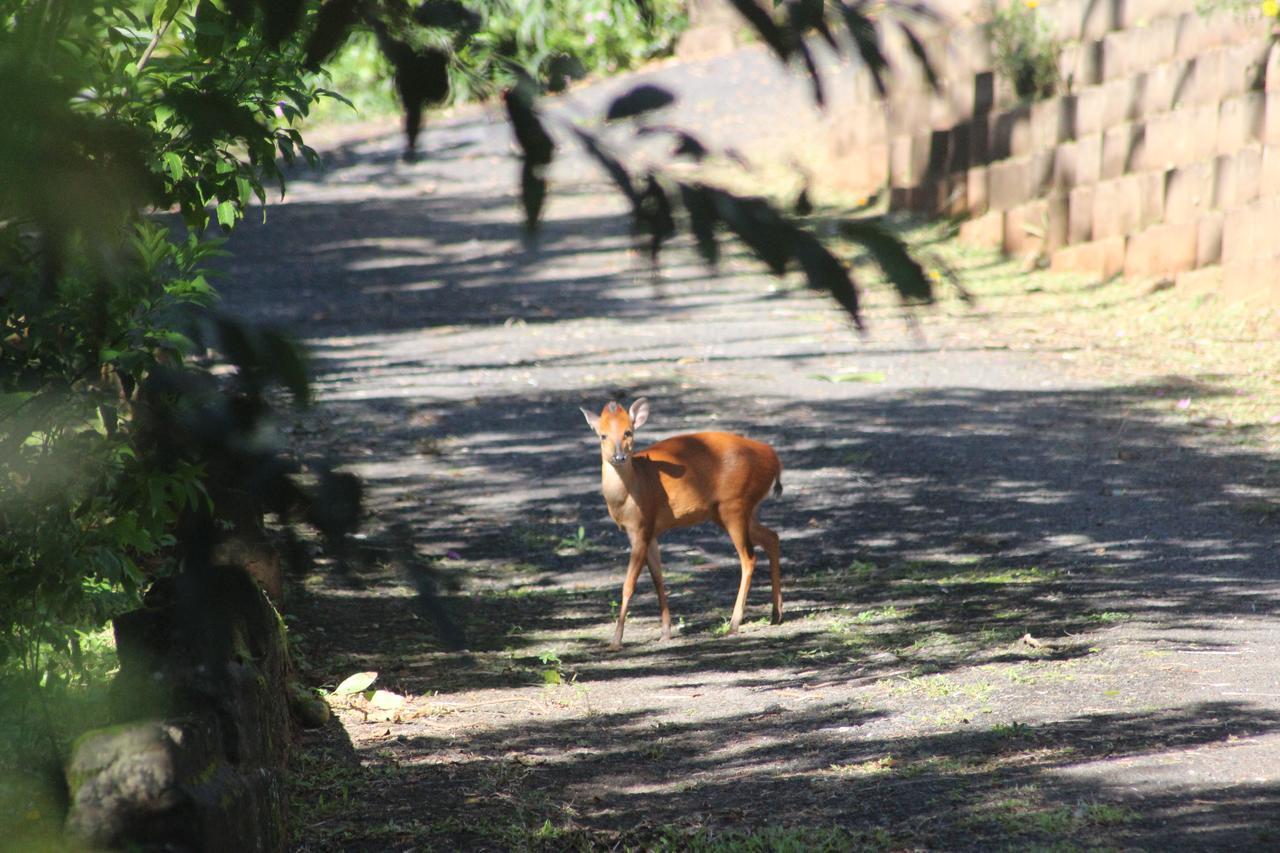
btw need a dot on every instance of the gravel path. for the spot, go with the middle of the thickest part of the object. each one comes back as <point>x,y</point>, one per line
<point>1019,612</point>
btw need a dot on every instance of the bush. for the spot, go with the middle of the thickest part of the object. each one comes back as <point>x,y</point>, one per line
<point>1026,53</point>
<point>109,113</point>
<point>557,41</point>
<point>552,41</point>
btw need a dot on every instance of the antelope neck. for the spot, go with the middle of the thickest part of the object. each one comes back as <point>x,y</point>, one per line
<point>618,480</point>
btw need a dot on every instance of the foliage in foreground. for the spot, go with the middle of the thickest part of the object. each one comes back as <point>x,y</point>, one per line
<point>112,108</point>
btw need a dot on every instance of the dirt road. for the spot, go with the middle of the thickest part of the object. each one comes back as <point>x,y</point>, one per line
<point>1019,611</point>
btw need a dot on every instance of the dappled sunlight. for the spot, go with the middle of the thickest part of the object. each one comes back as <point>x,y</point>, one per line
<point>1007,589</point>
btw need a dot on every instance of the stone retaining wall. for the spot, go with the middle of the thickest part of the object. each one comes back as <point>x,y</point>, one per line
<point>1162,159</point>
<point>197,758</point>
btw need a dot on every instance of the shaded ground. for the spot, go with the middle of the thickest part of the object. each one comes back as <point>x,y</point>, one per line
<point>1021,609</point>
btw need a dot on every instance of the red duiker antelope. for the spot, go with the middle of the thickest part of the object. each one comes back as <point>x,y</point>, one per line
<point>684,480</point>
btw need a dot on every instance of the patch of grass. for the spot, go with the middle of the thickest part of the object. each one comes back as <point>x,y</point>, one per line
<point>1011,730</point>
<point>872,376</point>
<point>979,575</point>
<point>574,543</point>
<point>1023,812</point>
<point>939,687</point>
<point>1107,617</point>
<point>773,839</point>
<point>887,613</point>
<point>860,570</point>
<point>870,767</point>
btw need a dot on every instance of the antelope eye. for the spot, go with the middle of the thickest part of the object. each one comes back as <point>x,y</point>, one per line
<point>602,438</point>
<point>627,434</point>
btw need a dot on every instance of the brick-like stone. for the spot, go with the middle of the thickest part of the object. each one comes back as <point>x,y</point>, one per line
<point>1150,197</point>
<point>976,190</point>
<point>980,139</point>
<point>1066,18</point>
<point>1240,121</point>
<point>1209,238</point>
<point>937,148</point>
<point>1025,227</point>
<point>1010,134</point>
<point>1064,167</point>
<point>1203,81</point>
<point>1122,101</point>
<point>1038,227</point>
<point>1080,215</point>
<point>1270,183</point>
<point>1141,13</point>
<point>1058,220</point>
<point>1157,42</point>
<point>1161,250</point>
<point>1122,149</point>
<point>1271,74</point>
<point>1104,258</point>
<point>984,92</point>
<point>1198,33</point>
<point>908,159</point>
<point>1241,233</point>
<point>1252,279</point>
<point>1237,178</point>
<point>1091,108</point>
<point>953,201</point>
<point>960,148</point>
<point>1198,282</point>
<point>986,230</point>
<point>1127,52</point>
<point>1163,141</point>
<point>1080,64</point>
<point>1100,18</point>
<point>1159,85</point>
<point>1271,118</point>
<point>1009,183</point>
<point>1188,192</point>
<point>1052,121</point>
<point>1117,56</point>
<point>1089,159</point>
<point>1117,207</point>
<point>1199,138</point>
<point>1244,66</point>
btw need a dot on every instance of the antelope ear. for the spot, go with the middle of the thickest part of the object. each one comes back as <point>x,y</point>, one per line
<point>639,412</point>
<point>592,419</point>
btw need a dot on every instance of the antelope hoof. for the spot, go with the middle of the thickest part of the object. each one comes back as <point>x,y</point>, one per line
<point>777,618</point>
<point>615,647</point>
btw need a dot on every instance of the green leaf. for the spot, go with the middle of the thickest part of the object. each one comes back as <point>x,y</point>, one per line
<point>173,164</point>
<point>903,271</point>
<point>642,99</point>
<point>551,676</point>
<point>703,219</point>
<point>875,376</point>
<point>287,362</point>
<point>357,683</point>
<point>165,11</point>
<point>226,214</point>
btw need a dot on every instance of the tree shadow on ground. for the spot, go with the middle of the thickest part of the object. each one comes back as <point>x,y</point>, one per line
<point>926,537</point>
<point>948,549</point>
<point>637,781</point>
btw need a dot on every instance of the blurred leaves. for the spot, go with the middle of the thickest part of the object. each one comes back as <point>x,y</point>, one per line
<point>536,149</point>
<point>642,99</point>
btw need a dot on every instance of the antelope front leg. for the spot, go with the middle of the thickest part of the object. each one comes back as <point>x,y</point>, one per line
<point>655,570</point>
<point>639,553</point>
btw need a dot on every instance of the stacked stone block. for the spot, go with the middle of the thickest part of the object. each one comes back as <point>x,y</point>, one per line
<point>1163,157</point>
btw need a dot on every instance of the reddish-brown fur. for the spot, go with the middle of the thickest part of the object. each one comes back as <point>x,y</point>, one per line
<point>684,480</point>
